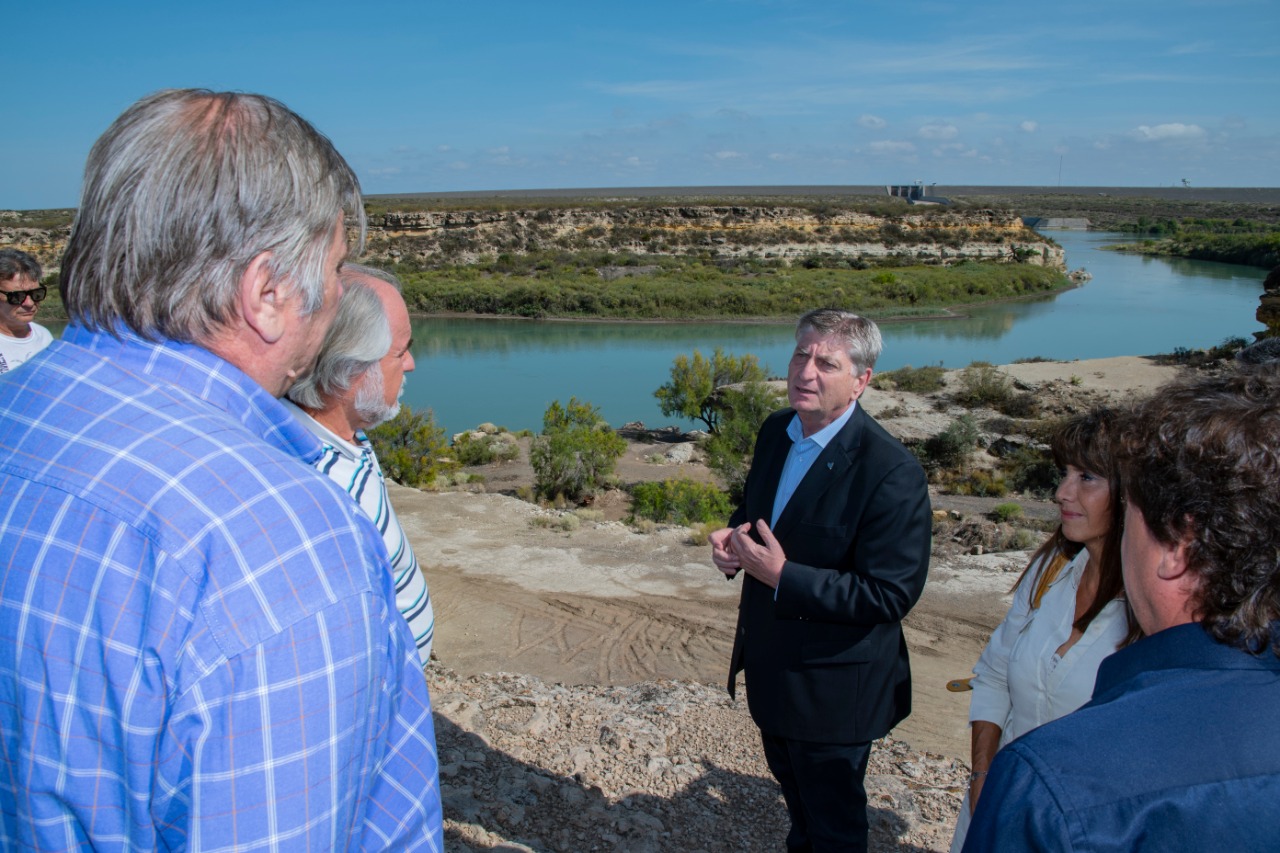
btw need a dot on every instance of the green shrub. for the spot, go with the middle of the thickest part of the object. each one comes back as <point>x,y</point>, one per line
<point>480,449</point>
<point>981,384</point>
<point>411,448</point>
<point>728,451</point>
<point>680,502</point>
<point>980,483</point>
<point>576,452</point>
<point>691,393</point>
<point>950,448</point>
<point>1031,471</point>
<point>918,380</point>
<point>1006,512</point>
<point>1020,405</point>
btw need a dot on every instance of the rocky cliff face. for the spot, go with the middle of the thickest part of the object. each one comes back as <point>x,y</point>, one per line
<point>787,233</point>
<point>725,231</point>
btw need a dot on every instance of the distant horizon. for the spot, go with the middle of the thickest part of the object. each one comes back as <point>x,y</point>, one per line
<point>1226,193</point>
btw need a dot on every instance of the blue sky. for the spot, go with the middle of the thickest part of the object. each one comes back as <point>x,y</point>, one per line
<point>433,96</point>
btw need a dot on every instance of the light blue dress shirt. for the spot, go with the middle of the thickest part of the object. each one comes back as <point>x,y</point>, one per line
<point>800,459</point>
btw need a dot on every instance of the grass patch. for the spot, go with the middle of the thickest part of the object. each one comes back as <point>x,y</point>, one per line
<point>917,380</point>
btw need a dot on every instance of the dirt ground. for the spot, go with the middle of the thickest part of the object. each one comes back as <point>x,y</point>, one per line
<point>604,604</point>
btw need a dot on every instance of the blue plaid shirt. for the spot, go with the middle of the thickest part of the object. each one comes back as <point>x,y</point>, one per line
<point>199,646</point>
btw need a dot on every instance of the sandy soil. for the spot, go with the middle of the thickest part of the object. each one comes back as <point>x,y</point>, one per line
<point>603,604</point>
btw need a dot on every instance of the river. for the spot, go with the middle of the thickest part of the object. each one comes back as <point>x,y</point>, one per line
<point>508,371</point>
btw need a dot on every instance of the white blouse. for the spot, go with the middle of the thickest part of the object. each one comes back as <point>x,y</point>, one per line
<point>1020,681</point>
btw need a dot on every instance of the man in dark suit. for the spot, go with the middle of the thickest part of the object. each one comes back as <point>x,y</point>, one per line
<point>834,536</point>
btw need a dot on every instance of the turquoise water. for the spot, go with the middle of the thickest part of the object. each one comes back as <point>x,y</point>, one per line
<point>508,371</point>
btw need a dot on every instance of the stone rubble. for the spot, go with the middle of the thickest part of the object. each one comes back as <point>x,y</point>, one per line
<point>527,765</point>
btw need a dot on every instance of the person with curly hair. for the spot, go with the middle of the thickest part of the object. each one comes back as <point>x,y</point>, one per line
<point>1178,749</point>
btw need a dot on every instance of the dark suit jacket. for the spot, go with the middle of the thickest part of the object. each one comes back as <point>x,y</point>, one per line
<point>826,661</point>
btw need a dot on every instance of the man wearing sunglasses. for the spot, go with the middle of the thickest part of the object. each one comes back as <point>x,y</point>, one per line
<point>20,338</point>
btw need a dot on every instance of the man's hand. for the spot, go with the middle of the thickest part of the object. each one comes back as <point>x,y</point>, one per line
<point>762,562</point>
<point>722,553</point>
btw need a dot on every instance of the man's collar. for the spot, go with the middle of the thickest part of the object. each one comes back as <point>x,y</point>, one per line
<point>823,437</point>
<point>193,370</point>
<point>1187,646</point>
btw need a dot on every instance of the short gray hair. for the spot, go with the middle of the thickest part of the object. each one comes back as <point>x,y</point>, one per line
<point>358,339</point>
<point>860,336</point>
<point>15,263</point>
<point>182,192</point>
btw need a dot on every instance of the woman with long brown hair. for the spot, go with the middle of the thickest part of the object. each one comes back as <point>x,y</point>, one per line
<point>1068,609</point>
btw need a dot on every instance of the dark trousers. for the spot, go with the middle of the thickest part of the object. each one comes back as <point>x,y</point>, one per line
<point>823,786</point>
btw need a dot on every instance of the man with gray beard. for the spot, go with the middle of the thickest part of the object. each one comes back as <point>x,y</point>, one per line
<point>357,384</point>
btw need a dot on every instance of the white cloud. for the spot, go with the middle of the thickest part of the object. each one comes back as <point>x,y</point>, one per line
<point>729,155</point>
<point>872,122</point>
<point>887,146</point>
<point>939,131</point>
<point>1172,131</point>
<point>459,166</point>
<point>1029,126</point>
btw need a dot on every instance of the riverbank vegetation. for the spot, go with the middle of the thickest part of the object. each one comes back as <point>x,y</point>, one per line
<point>553,284</point>
<point>1239,241</point>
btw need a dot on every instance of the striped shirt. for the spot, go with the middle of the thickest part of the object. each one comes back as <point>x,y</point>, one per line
<point>198,645</point>
<point>355,468</point>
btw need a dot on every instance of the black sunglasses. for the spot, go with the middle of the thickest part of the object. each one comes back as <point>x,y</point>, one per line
<point>17,297</point>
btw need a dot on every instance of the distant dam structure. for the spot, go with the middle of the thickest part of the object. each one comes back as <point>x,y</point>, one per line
<point>1064,222</point>
<point>915,193</point>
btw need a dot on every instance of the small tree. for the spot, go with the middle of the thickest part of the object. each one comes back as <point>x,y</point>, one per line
<point>692,389</point>
<point>743,410</point>
<point>576,452</point>
<point>411,448</point>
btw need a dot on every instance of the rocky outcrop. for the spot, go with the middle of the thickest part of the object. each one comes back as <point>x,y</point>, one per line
<point>731,231</point>
<point>1269,306</point>
<point>527,765</point>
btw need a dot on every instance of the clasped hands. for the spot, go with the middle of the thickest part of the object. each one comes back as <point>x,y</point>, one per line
<point>733,549</point>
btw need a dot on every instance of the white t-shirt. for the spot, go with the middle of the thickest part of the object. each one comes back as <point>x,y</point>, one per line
<point>14,351</point>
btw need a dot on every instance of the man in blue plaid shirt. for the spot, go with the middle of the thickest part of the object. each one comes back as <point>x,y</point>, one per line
<point>199,644</point>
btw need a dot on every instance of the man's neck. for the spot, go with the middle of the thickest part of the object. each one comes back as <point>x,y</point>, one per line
<point>338,421</point>
<point>23,332</point>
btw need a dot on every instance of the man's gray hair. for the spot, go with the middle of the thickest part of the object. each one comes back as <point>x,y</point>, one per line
<point>15,263</point>
<point>860,336</point>
<point>182,192</point>
<point>358,339</point>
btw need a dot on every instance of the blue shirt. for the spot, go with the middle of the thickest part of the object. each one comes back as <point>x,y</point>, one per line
<point>1177,751</point>
<point>198,640</point>
<point>800,457</point>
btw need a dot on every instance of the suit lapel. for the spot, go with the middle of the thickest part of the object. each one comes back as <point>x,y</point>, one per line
<point>831,466</point>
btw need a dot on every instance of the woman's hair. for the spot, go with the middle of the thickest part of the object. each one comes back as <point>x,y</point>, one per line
<point>1086,442</point>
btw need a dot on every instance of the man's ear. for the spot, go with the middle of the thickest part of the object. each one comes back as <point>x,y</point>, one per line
<point>1173,560</point>
<point>261,299</point>
<point>864,379</point>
